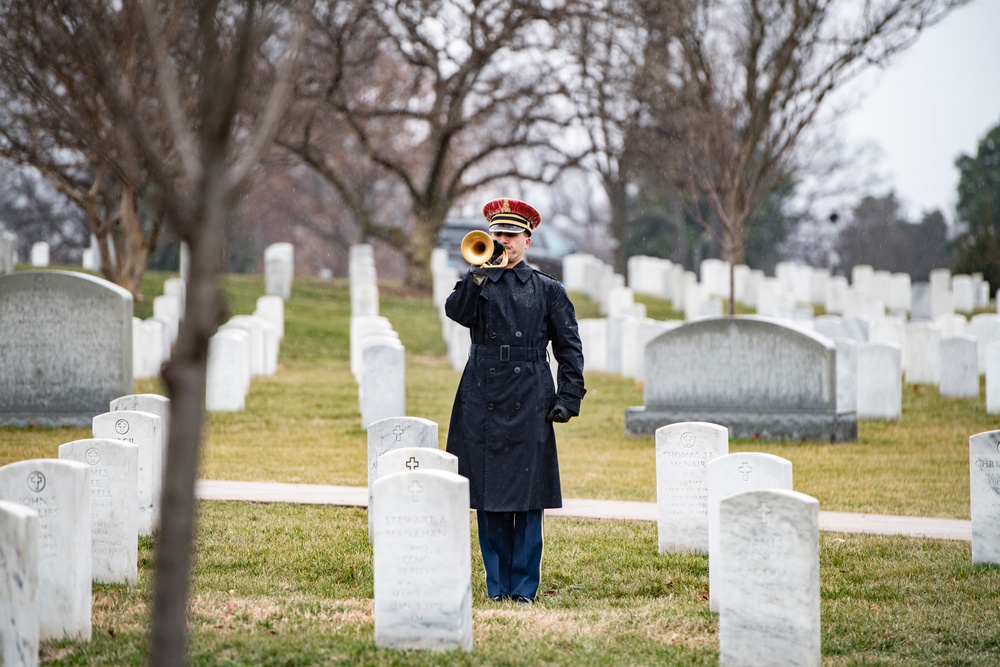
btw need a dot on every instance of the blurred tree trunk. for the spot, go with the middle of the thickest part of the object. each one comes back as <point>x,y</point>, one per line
<point>219,102</point>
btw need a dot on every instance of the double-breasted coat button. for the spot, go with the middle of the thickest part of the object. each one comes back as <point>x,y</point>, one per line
<point>517,334</point>
<point>489,407</point>
<point>517,406</point>
<point>517,369</point>
<point>493,335</point>
<point>493,371</point>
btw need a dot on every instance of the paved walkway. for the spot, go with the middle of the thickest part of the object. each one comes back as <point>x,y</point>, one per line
<point>357,496</point>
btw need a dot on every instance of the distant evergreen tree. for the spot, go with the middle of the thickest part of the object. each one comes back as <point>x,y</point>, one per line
<point>880,236</point>
<point>977,248</point>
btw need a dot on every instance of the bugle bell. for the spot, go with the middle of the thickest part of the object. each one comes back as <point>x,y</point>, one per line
<point>478,249</point>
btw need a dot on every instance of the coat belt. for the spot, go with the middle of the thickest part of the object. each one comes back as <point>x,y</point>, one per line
<point>507,353</point>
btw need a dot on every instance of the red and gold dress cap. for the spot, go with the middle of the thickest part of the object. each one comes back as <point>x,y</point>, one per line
<point>511,215</point>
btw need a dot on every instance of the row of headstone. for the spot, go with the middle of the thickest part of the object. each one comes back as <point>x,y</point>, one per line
<point>76,519</point>
<point>761,538</point>
<point>8,253</point>
<point>869,292</point>
<point>243,348</point>
<point>418,523</point>
<point>153,338</point>
<point>378,358</point>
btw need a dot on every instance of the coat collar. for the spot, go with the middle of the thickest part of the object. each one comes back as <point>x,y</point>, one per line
<point>522,271</point>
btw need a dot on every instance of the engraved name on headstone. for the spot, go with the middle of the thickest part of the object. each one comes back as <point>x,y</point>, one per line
<point>59,491</point>
<point>114,506</point>
<point>984,488</point>
<point>683,451</point>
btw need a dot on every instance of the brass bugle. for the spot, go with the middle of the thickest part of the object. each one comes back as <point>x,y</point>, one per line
<point>477,249</point>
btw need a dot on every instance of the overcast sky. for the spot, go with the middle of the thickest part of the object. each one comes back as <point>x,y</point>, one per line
<point>937,101</point>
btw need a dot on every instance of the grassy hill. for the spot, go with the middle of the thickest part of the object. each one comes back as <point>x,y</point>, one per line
<point>292,585</point>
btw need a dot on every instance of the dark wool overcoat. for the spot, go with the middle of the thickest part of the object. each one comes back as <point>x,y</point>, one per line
<point>498,430</point>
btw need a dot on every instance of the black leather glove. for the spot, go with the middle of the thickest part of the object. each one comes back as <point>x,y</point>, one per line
<point>498,251</point>
<point>478,271</point>
<point>558,414</point>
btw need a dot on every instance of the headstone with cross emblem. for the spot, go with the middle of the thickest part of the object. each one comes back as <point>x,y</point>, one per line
<point>683,451</point>
<point>114,506</point>
<point>395,433</point>
<point>152,403</point>
<point>65,347</point>
<point>145,430</point>
<point>59,491</point>
<point>727,476</point>
<point>18,584</point>
<point>984,488</point>
<point>771,608</point>
<point>416,458</point>
<point>422,561</point>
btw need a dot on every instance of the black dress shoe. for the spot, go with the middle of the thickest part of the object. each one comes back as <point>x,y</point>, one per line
<point>521,599</point>
<point>499,598</point>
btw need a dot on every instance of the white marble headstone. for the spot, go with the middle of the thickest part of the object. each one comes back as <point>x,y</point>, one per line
<point>114,506</point>
<point>409,459</point>
<point>984,488</point>
<point>993,378</point>
<point>880,381</point>
<point>156,404</point>
<point>770,613</point>
<point>923,353</point>
<point>683,451</point>
<point>279,269</point>
<point>382,386</point>
<point>959,367</point>
<point>272,308</point>
<point>60,492</point>
<point>18,584</point>
<point>422,561</point>
<point>145,430</point>
<point>386,435</point>
<point>227,380</point>
<point>727,476</point>
<point>40,253</point>
<point>167,307</point>
<point>847,374</point>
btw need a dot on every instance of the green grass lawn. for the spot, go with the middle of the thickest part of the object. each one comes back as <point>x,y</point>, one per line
<point>292,585</point>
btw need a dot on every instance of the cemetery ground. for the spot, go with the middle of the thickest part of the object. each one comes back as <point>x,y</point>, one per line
<point>280,584</point>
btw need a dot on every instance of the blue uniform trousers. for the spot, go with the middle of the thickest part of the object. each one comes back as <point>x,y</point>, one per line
<point>511,543</point>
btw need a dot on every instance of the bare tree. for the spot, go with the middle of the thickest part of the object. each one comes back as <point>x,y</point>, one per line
<point>619,88</point>
<point>753,76</point>
<point>440,99</point>
<point>197,133</point>
<point>53,120</point>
